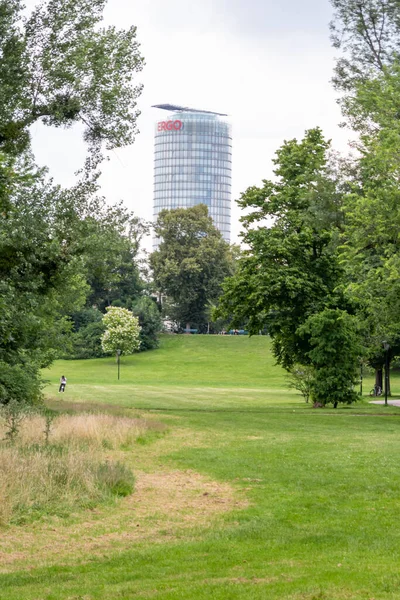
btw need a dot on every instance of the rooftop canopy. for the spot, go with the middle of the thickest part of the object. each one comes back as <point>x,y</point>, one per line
<point>174,108</point>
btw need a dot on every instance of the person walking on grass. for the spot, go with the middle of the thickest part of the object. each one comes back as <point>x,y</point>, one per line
<point>63,383</point>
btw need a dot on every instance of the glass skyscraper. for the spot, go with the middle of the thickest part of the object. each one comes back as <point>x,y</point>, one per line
<point>193,163</point>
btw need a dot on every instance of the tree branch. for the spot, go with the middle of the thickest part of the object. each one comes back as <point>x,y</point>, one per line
<point>368,39</point>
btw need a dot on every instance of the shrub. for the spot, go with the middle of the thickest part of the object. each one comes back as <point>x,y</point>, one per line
<point>86,343</point>
<point>20,382</point>
<point>301,378</point>
<point>335,355</point>
<point>83,318</point>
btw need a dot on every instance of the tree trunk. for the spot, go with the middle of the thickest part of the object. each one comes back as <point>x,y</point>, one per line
<point>379,380</point>
<point>379,377</point>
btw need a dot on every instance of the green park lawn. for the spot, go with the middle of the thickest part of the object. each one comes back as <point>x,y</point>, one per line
<point>188,372</point>
<point>261,496</point>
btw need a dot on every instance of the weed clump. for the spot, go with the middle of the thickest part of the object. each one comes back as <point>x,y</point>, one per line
<point>116,478</point>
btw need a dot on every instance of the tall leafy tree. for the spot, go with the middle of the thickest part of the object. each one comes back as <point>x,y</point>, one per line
<point>370,252</point>
<point>50,240</point>
<point>368,75</point>
<point>109,245</point>
<point>190,264</point>
<point>367,33</point>
<point>290,269</point>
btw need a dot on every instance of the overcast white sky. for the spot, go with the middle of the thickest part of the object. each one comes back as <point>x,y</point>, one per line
<point>267,64</point>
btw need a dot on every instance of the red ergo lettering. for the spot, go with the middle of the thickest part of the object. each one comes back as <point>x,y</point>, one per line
<point>170,125</point>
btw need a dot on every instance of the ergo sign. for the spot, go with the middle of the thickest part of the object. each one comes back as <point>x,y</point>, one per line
<point>170,125</point>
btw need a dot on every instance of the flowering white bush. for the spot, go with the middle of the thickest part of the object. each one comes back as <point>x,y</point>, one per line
<point>122,331</point>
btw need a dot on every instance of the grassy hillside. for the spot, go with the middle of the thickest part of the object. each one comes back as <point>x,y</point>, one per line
<point>192,372</point>
<point>213,360</point>
<point>240,371</point>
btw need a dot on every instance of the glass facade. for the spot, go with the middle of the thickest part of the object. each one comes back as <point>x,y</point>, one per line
<point>193,165</point>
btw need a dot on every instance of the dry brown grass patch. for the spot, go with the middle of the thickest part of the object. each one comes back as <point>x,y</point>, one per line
<point>96,429</point>
<point>164,506</point>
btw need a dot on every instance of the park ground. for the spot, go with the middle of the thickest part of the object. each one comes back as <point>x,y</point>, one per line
<point>242,490</point>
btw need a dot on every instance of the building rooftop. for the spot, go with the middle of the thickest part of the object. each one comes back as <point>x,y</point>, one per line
<point>176,108</point>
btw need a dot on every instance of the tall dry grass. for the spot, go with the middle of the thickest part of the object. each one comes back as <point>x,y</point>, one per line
<point>40,481</point>
<point>93,429</point>
<point>69,471</point>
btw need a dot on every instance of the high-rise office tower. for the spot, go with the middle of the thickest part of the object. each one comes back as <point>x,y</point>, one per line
<point>193,163</point>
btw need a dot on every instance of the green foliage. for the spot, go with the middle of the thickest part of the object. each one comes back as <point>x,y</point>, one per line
<point>54,246</point>
<point>146,310</point>
<point>290,269</point>
<point>369,76</point>
<point>84,317</point>
<point>334,356</point>
<point>20,382</point>
<point>86,343</point>
<point>373,105</point>
<point>370,250</point>
<point>109,244</point>
<point>370,242</point>
<point>191,263</point>
<point>61,66</point>
<point>122,331</point>
<point>39,279</point>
